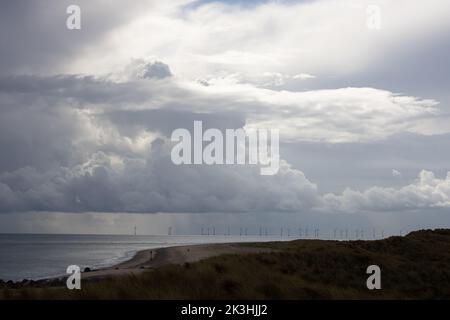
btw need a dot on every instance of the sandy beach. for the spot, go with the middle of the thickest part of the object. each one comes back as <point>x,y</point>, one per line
<point>145,260</point>
<point>300,269</point>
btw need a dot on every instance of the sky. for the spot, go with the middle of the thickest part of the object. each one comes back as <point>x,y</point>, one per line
<point>86,115</point>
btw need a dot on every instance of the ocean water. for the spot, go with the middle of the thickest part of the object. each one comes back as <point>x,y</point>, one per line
<point>39,256</point>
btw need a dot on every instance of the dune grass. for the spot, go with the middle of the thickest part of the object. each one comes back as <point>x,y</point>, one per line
<point>416,266</point>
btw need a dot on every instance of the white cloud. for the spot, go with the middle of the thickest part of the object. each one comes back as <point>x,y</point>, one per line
<point>270,80</point>
<point>153,184</point>
<point>426,192</point>
<point>93,144</point>
<point>303,76</point>
<point>139,69</point>
<point>110,149</point>
<point>340,115</point>
<point>321,38</point>
<point>396,173</point>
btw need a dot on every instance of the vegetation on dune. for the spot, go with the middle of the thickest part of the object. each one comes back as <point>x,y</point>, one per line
<point>414,266</point>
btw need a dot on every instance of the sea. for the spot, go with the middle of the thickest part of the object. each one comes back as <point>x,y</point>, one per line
<point>41,256</point>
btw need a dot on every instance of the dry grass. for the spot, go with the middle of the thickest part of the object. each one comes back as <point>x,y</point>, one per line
<point>415,266</point>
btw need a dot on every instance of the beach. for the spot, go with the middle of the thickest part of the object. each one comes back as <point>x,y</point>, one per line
<point>148,259</point>
<point>36,257</point>
<point>298,269</point>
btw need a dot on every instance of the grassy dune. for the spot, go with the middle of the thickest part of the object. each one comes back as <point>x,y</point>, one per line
<point>412,267</point>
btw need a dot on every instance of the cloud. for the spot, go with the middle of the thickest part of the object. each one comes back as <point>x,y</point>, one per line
<point>270,80</point>
<point>426,192</point>
<point>145,69</point>
<point>303,76</point>
<point>110,148</point>
<point>341,115</point>
<point>153,185</point>
<point>109,152</point>
<point>336,116</point>
<point>321,38</point>
<point>396,173</point>
<point>86,130</point>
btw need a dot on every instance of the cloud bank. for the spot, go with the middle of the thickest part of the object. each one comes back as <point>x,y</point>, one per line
<point>84,143</point>
<point>86,117</point>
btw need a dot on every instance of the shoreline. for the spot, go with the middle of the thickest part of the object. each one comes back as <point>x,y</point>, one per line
<point>138,261</point>
<point>318,269</point>
<point>149,259</point>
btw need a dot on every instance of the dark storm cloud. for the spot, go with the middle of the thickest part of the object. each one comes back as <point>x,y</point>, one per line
<point>165,121</point>
<point>77,143</point>
<point>60,136</point>
<point>83,143</point>
<point>41,123</point>
<point>155,185</point>
<point>84,90</point>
